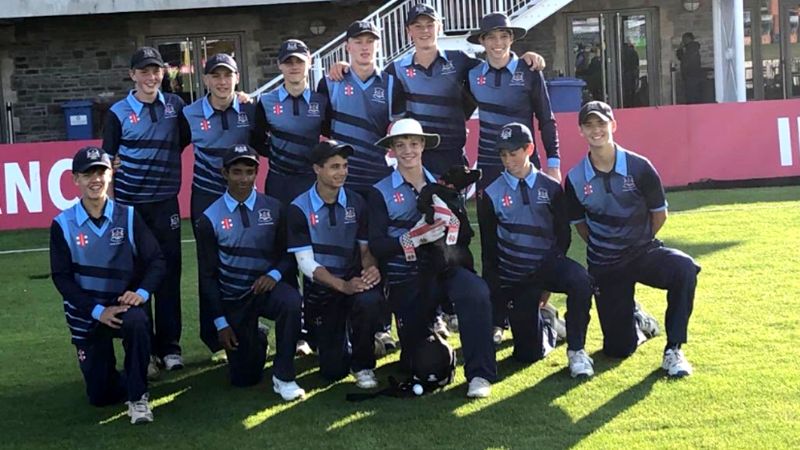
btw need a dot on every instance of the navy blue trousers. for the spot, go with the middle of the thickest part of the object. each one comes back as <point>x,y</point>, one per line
<point>470,296</point>
<point>208,332</point>
<point>104,384</point>
<point>246,363</point>
<point>164,220</point>
<point>659,267</point>
<point>556,274</point>
<point>343,327</point>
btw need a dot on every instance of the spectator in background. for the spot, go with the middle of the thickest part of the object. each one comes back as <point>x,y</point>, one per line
<point>691,73</point>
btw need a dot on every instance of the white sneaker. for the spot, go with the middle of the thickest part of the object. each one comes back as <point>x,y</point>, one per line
<point>440,328</point>
<point>648,324</point>
<point>452,322</point>
<point>219,357</point>
<point>365,379</point>
<point>386,338</point>
<point>288,390</point>
<point>550,315</point>
<point>302,348</point>
<point>172,362</point>
<point>152,368</point>
<point>479,388</point>
<point>497,335</point>
<point>139,411</point>
<point>580,364</point>
<point>676,364</point>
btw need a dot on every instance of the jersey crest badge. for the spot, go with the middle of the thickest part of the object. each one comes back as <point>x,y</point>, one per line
<point>264,217</point>
<point>117,236</point>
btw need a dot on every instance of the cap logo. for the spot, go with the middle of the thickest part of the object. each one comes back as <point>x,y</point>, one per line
<point>291,46</point>
<point>364,26</point>
<point>149,53</point>
<point>506,134</point>
<point>240,149</point>
<point>93,153</point>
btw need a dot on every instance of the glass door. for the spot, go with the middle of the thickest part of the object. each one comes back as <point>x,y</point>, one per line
<point>791,21</point>
<point>180,75</point>
<point>614,53</point>
<point>588,55</point>
<point>185,58</point>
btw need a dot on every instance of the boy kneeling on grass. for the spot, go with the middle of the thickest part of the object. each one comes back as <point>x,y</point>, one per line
<point>105,262</point>
<point>616,202</point>
<point>526,241</point>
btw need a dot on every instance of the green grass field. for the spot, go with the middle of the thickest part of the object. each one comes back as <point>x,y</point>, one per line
<point>744,337</point>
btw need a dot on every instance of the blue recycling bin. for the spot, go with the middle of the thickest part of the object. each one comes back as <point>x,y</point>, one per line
<point>78,118</point>
<point>566,94</point>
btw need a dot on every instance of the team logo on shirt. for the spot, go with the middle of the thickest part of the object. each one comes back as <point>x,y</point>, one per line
<point>227,223</point>
<point>174,222</point>
<point>628,184</point>
<point>117,236</point>
<point>82,240</point>
<point>313,109</point>
<point>481,80</point>
<point>411,72</point>
<point>542,196</point>
<point>313,219</point>
<point>169,111</point>
<point>587,189</point>
<point>349,215</point>
<point>518,79</point>
<point>205,125</point>
<point>242,120</point>
<point>399,197</point>
<point>277,109</point>
<point>507,201</point>
<point>379,95</point>
<point>264,217</point>
<point>348,89</point>
<point>448,68</point>
<point>133,118</point>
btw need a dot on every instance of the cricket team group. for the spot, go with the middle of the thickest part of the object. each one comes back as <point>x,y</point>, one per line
<point>337,244</point>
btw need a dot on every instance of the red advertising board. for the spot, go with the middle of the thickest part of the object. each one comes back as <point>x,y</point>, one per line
<point>730,141</point>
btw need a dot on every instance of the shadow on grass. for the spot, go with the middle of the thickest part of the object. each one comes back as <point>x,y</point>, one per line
<point>529,417</point>
<point>197,406</point>
<point>698,249</point>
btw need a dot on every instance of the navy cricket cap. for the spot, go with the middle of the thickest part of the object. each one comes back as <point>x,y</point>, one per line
<point>597,108</point>
<point>513,136</point>
<point>89,157</point>
<point>239,152</point>
<point>325,149</point>
<point>146,56</point>
<point>421,9</point>
<point>360,27</point>
<point>220,60</point>
<point>293,47</point>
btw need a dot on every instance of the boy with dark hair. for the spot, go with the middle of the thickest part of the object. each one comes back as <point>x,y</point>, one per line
<point>616,202</point>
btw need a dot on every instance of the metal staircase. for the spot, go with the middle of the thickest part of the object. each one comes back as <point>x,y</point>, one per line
<point>460,17</point>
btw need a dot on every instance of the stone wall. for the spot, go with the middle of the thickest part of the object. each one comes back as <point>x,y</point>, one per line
<point>47,61</point>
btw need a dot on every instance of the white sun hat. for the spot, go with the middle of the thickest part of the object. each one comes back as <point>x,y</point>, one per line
<point>407,127</point>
